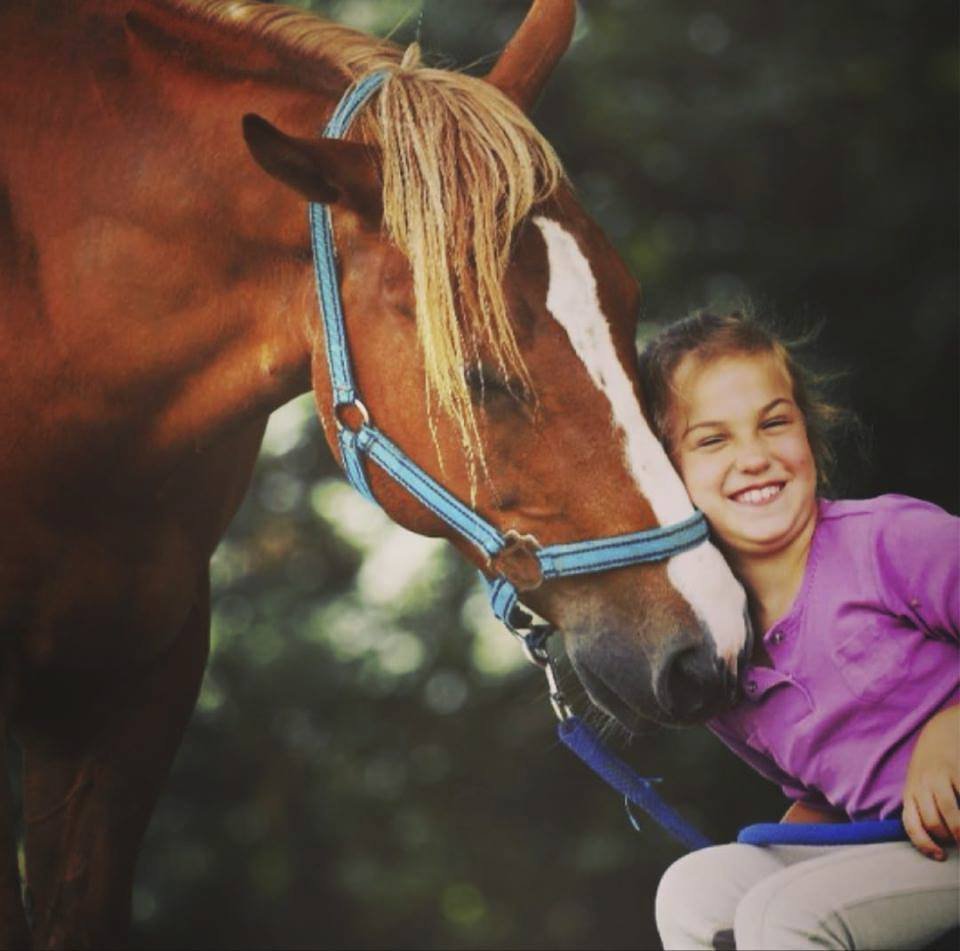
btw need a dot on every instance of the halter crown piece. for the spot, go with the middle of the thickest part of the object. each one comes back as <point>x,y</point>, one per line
<point>515,561</point>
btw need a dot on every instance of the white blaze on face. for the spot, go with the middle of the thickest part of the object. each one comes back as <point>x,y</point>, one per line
<point>701,575</point>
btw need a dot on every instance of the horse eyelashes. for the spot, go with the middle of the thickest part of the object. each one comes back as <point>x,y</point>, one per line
<point>486,386</point>
<point>483,382</point>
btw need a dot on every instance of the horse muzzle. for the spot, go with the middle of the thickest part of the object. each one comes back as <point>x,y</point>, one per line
<point>680,680</point>
<point>693,684</point>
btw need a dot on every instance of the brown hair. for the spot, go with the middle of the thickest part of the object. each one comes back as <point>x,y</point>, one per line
<point>710,336</point>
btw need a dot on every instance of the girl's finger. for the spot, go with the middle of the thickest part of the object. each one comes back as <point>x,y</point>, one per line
<point>930,814</point>
<point>945,796</point>
<point>918,834</point>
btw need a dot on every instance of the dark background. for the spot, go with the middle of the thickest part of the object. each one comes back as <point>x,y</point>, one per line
<point>371,763</point>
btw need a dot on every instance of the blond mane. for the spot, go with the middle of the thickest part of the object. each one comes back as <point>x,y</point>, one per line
<point>462,167</point>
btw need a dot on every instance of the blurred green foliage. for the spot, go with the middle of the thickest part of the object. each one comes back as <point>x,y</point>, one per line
<point>371,763</point>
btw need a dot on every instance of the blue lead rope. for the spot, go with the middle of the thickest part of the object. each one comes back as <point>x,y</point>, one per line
<point>580,739</point>
<point>823,833</point>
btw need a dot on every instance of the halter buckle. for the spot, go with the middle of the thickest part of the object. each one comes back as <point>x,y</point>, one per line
<point>518,562</point>
<point>353,408</point>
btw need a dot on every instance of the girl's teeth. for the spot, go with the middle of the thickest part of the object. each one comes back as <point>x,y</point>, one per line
<point>756,496</point>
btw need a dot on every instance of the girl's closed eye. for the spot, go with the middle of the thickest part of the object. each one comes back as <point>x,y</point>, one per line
<point>712,441</point>
<point>777,422</point>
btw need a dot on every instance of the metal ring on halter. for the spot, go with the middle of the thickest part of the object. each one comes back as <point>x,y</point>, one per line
<point>517,561</point>
<point>358,405</point>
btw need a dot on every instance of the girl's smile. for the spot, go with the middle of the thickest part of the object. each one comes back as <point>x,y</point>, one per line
<point>741,446</point>
<point>761,495</point>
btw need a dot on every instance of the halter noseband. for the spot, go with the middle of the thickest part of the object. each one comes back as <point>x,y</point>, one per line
<point>516,561</point>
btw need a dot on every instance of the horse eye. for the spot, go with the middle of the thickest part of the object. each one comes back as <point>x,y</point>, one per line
<point>481,380</point>
<point>485,384</point>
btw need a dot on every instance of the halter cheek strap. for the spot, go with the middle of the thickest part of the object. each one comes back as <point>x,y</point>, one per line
<point>368,443</point>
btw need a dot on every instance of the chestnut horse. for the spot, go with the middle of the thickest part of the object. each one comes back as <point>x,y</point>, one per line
<point>158,304</point>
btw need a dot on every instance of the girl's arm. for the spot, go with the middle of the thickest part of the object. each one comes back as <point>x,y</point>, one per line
<point>930,813</point>
<point>917,549</point>
<point>918,562</point>
<point>805,812</point>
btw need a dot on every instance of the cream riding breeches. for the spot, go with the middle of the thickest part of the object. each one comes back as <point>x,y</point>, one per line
<point>794,897</point>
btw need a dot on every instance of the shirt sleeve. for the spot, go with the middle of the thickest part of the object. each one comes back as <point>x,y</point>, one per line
<point>918,566</point>
<point>792,788</point>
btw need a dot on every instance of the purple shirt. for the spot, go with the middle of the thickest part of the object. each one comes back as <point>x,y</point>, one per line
<point>865,656</point>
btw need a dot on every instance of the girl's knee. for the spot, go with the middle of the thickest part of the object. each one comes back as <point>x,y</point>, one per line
<point>673,897</point>
<point>698,895</point>
<point>689,878</point>
<point>774,915</point>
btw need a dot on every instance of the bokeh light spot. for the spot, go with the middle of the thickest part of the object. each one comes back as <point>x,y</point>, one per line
<point>445,692</point>
<point>463,904</point>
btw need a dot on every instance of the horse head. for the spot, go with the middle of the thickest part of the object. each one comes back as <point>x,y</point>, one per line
<point>491,330</point>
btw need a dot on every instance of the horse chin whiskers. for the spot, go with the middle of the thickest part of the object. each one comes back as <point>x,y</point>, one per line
<point>608,728</point>
<point>615,713</point>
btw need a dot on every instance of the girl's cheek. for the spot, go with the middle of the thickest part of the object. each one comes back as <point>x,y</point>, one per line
<point>697,476</point>
<point>801,455</point>
<point>681,462</point>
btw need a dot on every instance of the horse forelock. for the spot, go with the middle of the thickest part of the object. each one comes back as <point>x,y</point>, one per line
<point>462,169</point>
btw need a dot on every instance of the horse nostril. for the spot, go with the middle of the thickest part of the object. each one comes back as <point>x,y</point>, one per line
<point>694,683</point>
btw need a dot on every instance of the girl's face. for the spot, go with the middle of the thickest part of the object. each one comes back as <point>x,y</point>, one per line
<point>740,444</point>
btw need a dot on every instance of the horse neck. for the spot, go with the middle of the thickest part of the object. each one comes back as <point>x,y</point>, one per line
<point>194,264</point>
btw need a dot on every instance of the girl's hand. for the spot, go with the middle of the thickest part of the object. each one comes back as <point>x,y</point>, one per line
<point>930,812</point>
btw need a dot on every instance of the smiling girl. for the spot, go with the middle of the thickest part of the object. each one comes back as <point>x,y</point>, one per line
<point>850,699</point>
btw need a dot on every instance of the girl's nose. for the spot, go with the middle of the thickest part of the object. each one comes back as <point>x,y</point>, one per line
<point>752,458</point>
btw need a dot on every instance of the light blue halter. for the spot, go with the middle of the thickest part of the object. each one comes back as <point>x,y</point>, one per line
<point>367,441</point>
<point>551,561</point>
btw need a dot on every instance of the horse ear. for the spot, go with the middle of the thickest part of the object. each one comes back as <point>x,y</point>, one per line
<point>529,58</point>
<point>322,170</point>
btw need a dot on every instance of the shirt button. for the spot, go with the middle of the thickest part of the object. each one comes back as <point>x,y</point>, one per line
<point>777,637</point>
<point>752,686</point>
